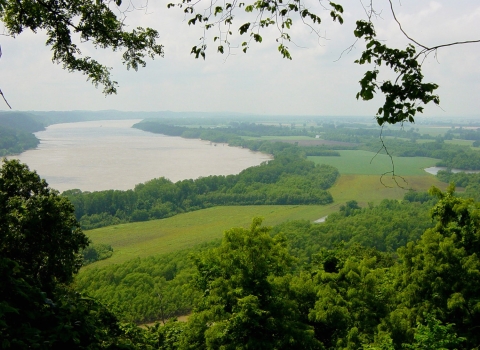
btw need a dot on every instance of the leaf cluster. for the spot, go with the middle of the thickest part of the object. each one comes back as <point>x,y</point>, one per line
<point>402,96</point>
<point>38,229</point>
<point>277,14</point>
<point>93,21</point>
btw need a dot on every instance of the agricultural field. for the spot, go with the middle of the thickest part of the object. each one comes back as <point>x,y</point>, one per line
<point>420,141</point>
<point>432,130</point>
<point>280,138</point>
<point>460,142</point>
<point>369,163</point>
<point>374,188</point>
<point>142,239</point>
<point>396,138</point>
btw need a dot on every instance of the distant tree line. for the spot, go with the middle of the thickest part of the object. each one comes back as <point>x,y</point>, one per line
<point>234,133</point>
<point>16,133</point>
<point>362,134</point>
<point>450,155</point>
<point>288,179</point>
<point>463,134</point>
<point>213,133</point>
<point>470,182</point>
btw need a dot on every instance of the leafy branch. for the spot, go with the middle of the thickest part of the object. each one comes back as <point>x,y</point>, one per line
<point>408,93</point>
<point>405,96</point>
<point>95,22</point>
<point>269,13</point>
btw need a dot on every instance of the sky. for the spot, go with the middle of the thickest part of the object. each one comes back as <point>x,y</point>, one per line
<point>318,81</point>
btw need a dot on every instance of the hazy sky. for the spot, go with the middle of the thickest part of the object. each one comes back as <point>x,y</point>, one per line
<point>261,81</point>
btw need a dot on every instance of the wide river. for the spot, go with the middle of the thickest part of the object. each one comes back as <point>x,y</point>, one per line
<point>101,155</point>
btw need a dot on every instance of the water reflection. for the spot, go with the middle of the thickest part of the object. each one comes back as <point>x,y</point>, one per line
<point>99,155</point>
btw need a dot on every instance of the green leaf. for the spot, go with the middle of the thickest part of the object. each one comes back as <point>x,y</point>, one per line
<point>257,38</point>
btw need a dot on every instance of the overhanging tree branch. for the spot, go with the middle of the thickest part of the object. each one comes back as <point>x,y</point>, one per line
<point>94,21</point>
<point>405,96</point>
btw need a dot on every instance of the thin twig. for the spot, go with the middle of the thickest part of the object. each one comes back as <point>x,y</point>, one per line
<point>427,49</point>
<point>400,26</point>
<point>394,175</point>
<point>8,104</point>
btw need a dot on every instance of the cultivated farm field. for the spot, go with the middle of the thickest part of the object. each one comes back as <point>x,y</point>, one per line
<point>369,163</point>
<point>142,239</point>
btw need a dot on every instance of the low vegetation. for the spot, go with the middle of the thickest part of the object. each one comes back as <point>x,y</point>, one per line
<point>369,163</point>
<point>470,182</point>
<point>184,231</point>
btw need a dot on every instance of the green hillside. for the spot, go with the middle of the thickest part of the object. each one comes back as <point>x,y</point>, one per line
<point>142,239</point>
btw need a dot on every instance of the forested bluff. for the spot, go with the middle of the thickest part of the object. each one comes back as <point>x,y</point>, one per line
<point>397,275</point>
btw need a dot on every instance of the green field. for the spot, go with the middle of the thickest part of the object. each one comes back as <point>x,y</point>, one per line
<point>420,141</point>
<point>396,138</point>
<point>374,188</point>
<point>287,138</point>
<point>182,231</point>
<point>460,142</point>
<point>432,130</point>
<point>367,163</point>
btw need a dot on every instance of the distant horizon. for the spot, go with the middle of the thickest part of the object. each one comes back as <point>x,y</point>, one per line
<point>233,114</point>
<point>320,80</point>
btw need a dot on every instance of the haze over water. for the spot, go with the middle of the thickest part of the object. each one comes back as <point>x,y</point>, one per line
<point>101,155</point>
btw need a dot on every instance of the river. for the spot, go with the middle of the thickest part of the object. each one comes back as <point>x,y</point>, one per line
<point>435,169</point>
<point>109,154</point>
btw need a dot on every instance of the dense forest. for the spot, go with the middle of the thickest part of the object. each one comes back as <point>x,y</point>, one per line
<point>287,179</point>
<point>326,286</point>
<point>381,227</point>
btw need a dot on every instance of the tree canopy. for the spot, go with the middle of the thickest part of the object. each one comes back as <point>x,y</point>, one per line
<point>40,241</point>
<point>38,229</point>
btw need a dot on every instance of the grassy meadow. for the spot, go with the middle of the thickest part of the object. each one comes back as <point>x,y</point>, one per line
<point>432,130</point>
<point>141,239</point>
<point>374,188</point>
<point>285,138</point>
<point>368,163</point>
